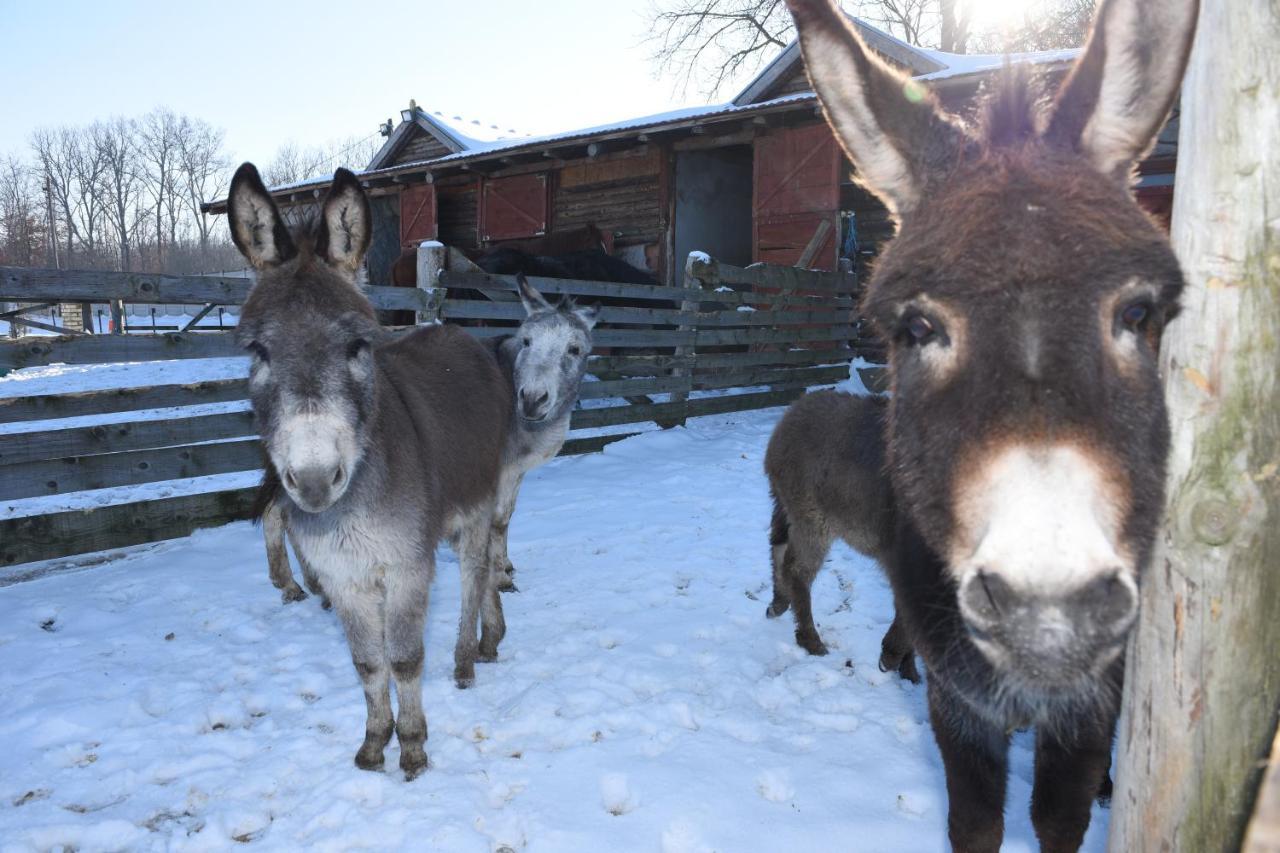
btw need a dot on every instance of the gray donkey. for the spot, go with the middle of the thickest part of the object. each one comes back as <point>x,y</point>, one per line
<point>383,447</point>
<point>826,469</point>
<point>544,362</point>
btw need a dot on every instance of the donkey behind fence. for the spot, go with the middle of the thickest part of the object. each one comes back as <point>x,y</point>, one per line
<point>383,448</point>
<point>1023,300</point>
<point>543,361</point>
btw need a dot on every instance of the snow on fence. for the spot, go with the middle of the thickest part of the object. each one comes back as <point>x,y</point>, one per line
<point>731,339</point>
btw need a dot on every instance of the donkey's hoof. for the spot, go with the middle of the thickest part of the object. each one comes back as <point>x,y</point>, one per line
<point>902,661</point>
<point>290,594</point>
<point>506,584</point>
<point>776,608</point>
<point>326,604</point>
<point>464,676</point>
<point>369,758</point>
<point>811,643</point>
<point>413,763</point>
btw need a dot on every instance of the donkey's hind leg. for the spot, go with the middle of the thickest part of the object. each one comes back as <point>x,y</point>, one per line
<point>779,533</point>
<point>273,532</point>
<point>807,547</point>
<point>897,653</point>
<point>362,612</point>
<point>408,593</point>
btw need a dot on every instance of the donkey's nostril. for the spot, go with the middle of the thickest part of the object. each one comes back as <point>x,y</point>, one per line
<point>338,475</point>
<point>290,480</point>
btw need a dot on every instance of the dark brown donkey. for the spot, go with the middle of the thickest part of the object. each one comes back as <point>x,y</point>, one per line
<point>1023,301</point>
<point>827,474</point>
<point>383,447</point>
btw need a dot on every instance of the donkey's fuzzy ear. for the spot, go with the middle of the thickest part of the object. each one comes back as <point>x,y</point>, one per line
<point>589,315</point>
<point>256,227</point>
<point>1119,94</point>
<point>889,125</point>
<point>529,295</point>
<point>344,230</point>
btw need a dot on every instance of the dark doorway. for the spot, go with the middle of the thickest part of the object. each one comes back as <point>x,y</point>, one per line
<point>713,205</point>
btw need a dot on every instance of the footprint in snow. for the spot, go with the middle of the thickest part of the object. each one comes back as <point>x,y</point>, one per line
<point>616,794</point>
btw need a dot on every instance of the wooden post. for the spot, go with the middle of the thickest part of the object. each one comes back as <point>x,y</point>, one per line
<point>432,258</point>
<point>688,323</point>
<point>1203,681</point>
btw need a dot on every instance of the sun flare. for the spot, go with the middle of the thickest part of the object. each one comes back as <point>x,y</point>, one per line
<point>987,14</point>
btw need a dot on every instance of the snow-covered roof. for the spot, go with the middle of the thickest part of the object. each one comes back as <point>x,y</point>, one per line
<point>964,64</point>
<point>469,139</point>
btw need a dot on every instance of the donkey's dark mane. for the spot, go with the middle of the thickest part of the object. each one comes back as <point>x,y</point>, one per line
<point>1011,109</point>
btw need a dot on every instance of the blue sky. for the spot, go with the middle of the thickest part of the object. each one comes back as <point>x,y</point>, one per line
<point>268,72</point>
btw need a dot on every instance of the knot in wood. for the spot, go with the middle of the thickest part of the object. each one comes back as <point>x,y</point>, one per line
<point>1214,521</point>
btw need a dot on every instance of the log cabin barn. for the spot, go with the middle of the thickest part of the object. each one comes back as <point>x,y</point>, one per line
<point>759,178</point>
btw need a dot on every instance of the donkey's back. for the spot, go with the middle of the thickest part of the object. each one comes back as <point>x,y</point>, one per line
<point>451,396</point>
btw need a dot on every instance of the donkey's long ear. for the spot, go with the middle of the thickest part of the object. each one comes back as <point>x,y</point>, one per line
<point>1120,91</point>
<point>256,227</point>
<point>343,233</point>
<point>890,126</point>
<point>529,295</point>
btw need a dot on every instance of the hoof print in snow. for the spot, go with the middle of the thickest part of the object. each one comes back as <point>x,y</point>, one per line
<point>308,697</point>
<point>775,786</point>
<point>32,796</point>
<point>169,636</point>
<point>616,794</point>
<point>50,625</point>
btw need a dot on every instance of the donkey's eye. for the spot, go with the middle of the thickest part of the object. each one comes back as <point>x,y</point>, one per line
<point>919,329</point>
<point>575,350</point>
<point>1135,315</point>
<point>356,347</point>
<point>526,341</point>
<point>258,351</point>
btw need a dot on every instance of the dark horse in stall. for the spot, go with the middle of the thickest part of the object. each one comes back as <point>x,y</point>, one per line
<point>1023,301</point>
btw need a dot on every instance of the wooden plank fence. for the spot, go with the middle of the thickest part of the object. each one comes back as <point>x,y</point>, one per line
<point>731,339</point>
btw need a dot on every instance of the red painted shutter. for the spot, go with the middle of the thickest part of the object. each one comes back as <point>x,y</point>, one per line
<point>514,207</point>
<point>418,214</point>
<point>796,187</point>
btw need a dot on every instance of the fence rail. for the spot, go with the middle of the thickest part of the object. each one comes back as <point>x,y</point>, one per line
<point>731,339</point>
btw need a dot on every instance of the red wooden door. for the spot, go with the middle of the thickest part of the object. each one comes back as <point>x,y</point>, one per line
<point>796,188</point>
<point>418,220</point>
<point>514,207</point>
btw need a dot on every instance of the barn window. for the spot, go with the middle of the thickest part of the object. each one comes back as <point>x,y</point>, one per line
<point>514,207</point>
<point>417,214</point>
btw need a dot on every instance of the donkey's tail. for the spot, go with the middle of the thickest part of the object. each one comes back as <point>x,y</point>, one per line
<point>780,526</point>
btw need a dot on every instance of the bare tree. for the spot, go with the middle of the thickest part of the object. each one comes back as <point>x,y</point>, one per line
<point>293,163</point>
<point>157,151</point>
<point>121,184</point>
<point>22,231</point>
<point>712,42</point>
<point>204,174</point>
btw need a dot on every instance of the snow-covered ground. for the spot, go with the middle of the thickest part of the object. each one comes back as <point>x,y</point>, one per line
<point>641,701</point>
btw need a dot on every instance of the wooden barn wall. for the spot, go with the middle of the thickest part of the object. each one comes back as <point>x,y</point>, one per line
<point>619,193</point>
<point>420,146</point>
<point>458,201</point>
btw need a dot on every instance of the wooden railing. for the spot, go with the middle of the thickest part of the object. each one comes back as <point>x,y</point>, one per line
<point>663,354</point>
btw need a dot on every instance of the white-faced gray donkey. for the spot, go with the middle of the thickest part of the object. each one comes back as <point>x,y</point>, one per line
<point>383,447</point>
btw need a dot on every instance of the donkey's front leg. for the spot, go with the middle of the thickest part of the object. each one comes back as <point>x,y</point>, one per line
<point>472,545</point>
<point>408,592</point>
<point>1068,771</point>
<point>503,571</point>
<point>273,531</point>
<point>975,757</point>
<point>363,618</point>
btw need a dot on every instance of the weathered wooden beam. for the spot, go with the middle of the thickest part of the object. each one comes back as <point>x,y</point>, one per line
<point>1263,835</point>
<point>1202,685</point>
<point>51,406</point>
<point>133,467</point>
<point>63,534</point>
<point>114,438</point>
